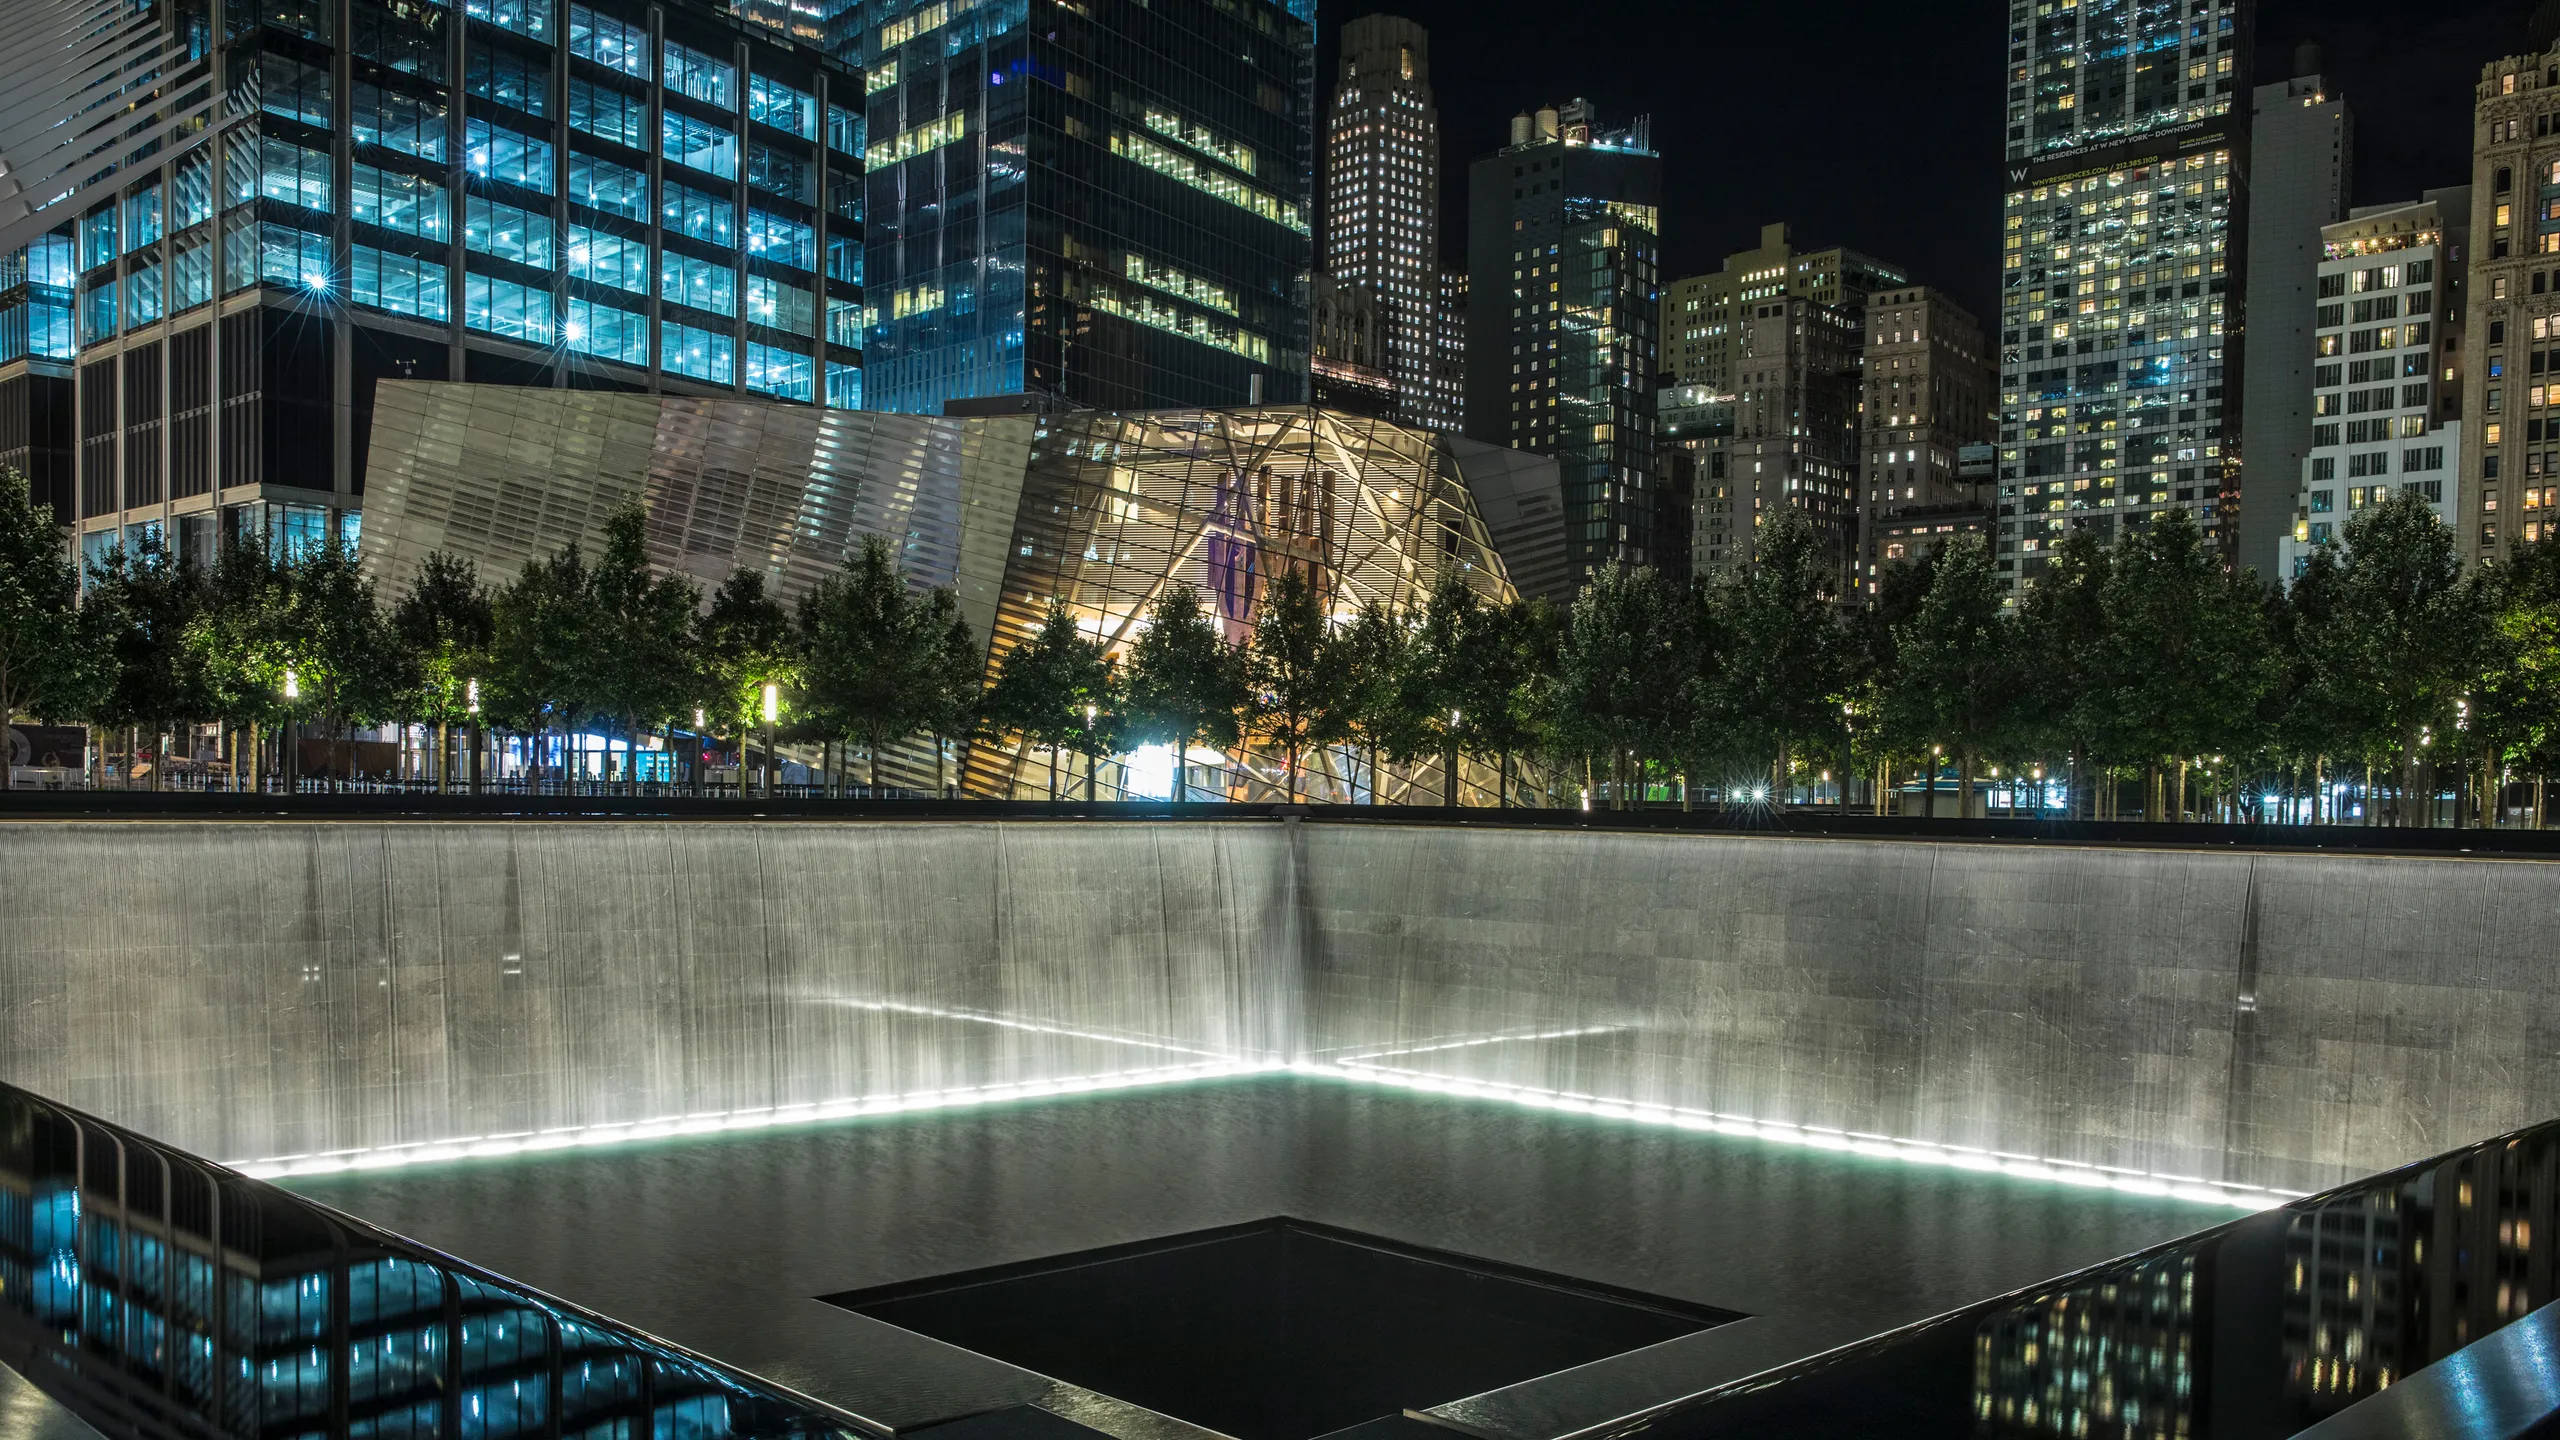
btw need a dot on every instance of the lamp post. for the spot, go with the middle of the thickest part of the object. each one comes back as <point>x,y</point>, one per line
<point>699,721</point>
<point>772,711</point>
<point>471,700</point>
<point>289,760</point>
<point>1092,753</point>
<point>1449,777</point>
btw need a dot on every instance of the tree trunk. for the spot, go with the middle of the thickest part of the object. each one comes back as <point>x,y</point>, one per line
<point>941,786</point>
<point>1053,774</point>
<point>1503,802</point>
<point>1449,776</point>
<point>1929,806</point>
<point>1964,786</point>
<point>871,767</point>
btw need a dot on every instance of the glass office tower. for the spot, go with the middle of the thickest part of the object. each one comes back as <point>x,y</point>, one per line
<point>600,194</point>
<point>2125,222</point>
<point>1112,209</point>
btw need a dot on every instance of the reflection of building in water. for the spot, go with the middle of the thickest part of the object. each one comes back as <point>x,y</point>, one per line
<point>152,1293</point>
<point>2386,1282</point>
<point>1098,511</point>
<point>2116,1356</point>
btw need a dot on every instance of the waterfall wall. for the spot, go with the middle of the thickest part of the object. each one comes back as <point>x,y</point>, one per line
<point>257,989</point>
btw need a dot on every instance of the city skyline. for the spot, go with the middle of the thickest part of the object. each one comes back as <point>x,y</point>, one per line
<point>1935,211</point>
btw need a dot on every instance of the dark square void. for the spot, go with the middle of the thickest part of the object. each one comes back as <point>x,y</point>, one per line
<point>1280,1329</point>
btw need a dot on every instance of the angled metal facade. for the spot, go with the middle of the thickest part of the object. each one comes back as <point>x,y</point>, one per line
<point>1099,510</point>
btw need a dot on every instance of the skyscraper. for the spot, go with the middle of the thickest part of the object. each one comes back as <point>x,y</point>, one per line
<point>1699,313</point>
<point>1080,211</point>
<point>1928,399</point>
<point>595,194</point>
<point>1563,229</point>
<point>1382,198</point>
<point>2386,415</point>
<point>2514,299</point>
<point>2124,225</point>
<point>2301,149</point>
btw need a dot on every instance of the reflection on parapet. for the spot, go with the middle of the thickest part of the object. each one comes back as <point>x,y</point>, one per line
<point>2383,1282</point>
<point>2115,1356</point>
<point>152,1292</point>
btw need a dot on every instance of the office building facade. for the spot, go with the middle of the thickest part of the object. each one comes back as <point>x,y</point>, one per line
<point>1349,371</point>
<point>1382,199</point>
<point>1068,213</point>
<point>2125,223</point>
<point>1929,397</point>
<point>2301,150</point>
<point>2387,391</point>
<point>1794,438</point>
<point>609,195</point>
<point>2513,308</point>
<point>1563,242</point>
<point>1699,313</point>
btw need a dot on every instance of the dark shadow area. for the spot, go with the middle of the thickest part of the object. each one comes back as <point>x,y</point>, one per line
<point>1280,1329</point>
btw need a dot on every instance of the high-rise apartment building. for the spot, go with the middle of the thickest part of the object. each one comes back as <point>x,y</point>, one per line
<point>2513,330</point>
<point>1110,205</point>
<point>1349,371</point>
<point>1448,377</point>
<point>1382,198</point>
<point>1563,232</point>
<point>2386,388</point>
<point>2301,152</point>
<point>2125,219</point>
<point>1699,334</point>
<point>1929,396</point>
<point>604,194</point>
<point>1794,437</point>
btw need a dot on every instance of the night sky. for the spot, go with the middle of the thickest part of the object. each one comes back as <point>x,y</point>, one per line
<point>1877,123</point>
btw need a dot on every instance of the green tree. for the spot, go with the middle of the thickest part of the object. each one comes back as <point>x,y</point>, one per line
<point>339,647</point>
<point>1045,684</point>
<point>443,628</point>
<point>1882,729</point>
<point>1363,666</point>
<point>146,597</point>
<point>2185,665</point>
<point>640,663</point>
<point>1511,708</point>
<point>1185,684</point>
<point>2321,710</point>
<point>1620,672</point>
<point>954,679</point>
<point>1433,689</point>
<point>1285,668</point>
<point>542,650</point>
<point>2515,713</point>
<point>2416,634</point>
<point>2062,647</point>
<point>742,642</point>
<point>49,653</point>
<point>869,645</point>
<point>240,642</point>
<point>1783,676</point>
<point>1958,662</point>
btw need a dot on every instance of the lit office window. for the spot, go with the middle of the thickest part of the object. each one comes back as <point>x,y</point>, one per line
<point>190,273</point>
<point>391,281</point>
<point>142,296</point>
<point>603,185</point>
<point>603,258</point>
<point>98,238</point>
<point>501,75</point>
<point>191,195</point>
<point>529,18</point>
<point>845,130</point>
<point>785,373</point>
<point>400,122</point>
<point>298,258</point>
<point>780,240</point>
<point>494,152</point>
<point>509,232</point>
<point>603,111</point>
<point>612,43</point>
<point>844,322</point>
<point>608,331</point>
<point>775,169</point>
<point>698,143</point>
<point>296,176</point>
<point>844,258</point>
<point>503,307</point>
<point>702,354</point>
<point>698,214</point>
<point>142,217</point>
<point>844,386</point>
<point>696,75</point>
<point>781,305</point>
<point>408,204</point>
<point>290,88</point>
<point>239,251</point>
<point>773,103</point>
<point>98,313</point>
<point>698,283</point>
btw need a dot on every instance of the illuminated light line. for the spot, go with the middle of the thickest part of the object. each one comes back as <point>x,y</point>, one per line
<point>616,1132</point>
<point>981,1018</point>
<point>1925,1152</point>
<point>1522,1036</point>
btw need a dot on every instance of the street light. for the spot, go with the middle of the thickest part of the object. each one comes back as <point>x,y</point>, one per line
<point>772,713</point>
<point>471,697</point>
<point>292,685</point>
<point>772,703</point>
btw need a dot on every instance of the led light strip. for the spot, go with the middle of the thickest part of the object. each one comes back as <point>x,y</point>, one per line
<point>1815,1137</point>
<point>900,1007</point>
<point>1517,1037</point>
<point>714,1121</point>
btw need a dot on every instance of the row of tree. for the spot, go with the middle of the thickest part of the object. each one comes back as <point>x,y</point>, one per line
<point>2146,667</point>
